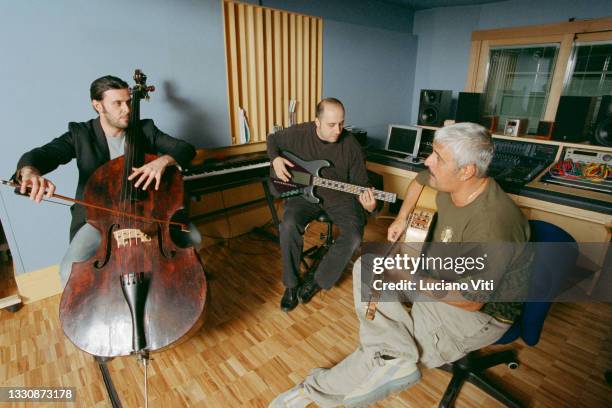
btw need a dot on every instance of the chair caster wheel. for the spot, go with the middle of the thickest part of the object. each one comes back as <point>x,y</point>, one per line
<point>513,365</point>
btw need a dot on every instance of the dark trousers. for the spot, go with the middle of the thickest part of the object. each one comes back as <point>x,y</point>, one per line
<point>348,217</point>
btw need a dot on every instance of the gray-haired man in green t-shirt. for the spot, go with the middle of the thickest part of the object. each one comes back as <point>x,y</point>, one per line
<point>471,208</point>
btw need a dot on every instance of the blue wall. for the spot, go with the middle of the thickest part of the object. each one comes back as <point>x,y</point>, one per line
<point>53,50</point>
<point>374,81</point>
<point>444,35</point>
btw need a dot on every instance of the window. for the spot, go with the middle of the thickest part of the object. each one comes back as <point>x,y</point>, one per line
<point>518,82</point>
<point>590,70</point>
<point>589,73</point>
<point>524,71</point>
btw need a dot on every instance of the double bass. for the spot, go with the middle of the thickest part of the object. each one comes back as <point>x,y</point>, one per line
<point>140,292</point>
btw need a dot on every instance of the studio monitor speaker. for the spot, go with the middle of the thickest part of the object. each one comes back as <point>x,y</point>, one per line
<point>573,118</point>
<point>470,107</point>
<point>602,133</point>
<point>434,107</point>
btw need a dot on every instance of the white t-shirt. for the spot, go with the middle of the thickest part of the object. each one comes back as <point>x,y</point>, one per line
<point>116,146</point>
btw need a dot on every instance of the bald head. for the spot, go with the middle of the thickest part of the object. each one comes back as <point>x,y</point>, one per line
<point>328,102</point>
<point>330,119</point>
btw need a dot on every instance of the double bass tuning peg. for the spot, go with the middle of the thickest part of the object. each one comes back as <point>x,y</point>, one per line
<point>148,89</point>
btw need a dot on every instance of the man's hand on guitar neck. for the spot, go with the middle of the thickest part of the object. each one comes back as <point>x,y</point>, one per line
<point>367,200</point>
<point>280,168</point>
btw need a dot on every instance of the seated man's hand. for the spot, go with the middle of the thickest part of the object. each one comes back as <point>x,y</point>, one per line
<point>280,168</point>
<point>367,200</point>
<point>30,176</point>
<point>153,170</point>
<point>396,229</point>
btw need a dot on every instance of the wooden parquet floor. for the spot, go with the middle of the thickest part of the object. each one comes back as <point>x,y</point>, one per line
<point>249,351</point>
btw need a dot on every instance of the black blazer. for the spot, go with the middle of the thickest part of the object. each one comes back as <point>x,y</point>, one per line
<point>86,142</point>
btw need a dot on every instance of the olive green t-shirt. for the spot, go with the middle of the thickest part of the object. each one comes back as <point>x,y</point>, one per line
<point>491,218</point>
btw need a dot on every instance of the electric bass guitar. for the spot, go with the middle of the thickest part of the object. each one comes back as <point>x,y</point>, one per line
<point>306,175</point>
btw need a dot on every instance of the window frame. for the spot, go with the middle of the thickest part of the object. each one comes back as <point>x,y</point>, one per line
<point>565,34</point>
<point>533,42</point>
<point>581,40</point>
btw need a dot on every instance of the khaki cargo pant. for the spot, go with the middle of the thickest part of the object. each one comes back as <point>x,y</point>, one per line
<point>432,333</point>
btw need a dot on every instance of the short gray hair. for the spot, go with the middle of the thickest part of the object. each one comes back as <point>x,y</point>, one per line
<point>469,143</point>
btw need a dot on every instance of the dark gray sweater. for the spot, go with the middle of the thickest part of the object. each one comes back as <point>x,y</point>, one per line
<point>345,155</point>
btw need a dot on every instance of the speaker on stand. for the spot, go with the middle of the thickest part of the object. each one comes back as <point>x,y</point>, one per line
<point>434,107</point>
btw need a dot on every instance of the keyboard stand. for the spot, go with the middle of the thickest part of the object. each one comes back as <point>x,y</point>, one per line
<point>269,198</point>
<point>270,201</point>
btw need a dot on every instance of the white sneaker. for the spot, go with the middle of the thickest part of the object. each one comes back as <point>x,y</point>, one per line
<point>293,398</point>
<point>389,377</point>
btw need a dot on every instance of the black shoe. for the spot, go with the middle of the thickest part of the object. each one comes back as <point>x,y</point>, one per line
<point>308,290</point>
<point>309,275</point>
<point>289,300</point>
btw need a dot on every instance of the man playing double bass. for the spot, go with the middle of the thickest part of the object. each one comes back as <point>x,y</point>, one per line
<point>94,143</point>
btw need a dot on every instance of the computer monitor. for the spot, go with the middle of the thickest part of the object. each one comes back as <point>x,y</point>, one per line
<point>404,139</point>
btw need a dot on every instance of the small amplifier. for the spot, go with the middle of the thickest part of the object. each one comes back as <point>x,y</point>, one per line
<point>545,130</point>
<point>515,127</point>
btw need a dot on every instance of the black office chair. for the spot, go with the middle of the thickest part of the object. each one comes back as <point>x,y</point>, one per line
<point>550,270</point>
<point>317,252</point>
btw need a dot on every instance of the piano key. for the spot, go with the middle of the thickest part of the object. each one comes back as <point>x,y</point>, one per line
<point>226,170</point>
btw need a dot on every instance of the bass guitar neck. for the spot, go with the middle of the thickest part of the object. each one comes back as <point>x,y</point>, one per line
<point>352,189</point>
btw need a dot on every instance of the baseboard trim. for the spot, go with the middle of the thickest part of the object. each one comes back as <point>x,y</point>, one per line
<point>39,284</point>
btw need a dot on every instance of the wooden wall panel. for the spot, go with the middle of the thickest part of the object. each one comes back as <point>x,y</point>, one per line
<point>269,57</point>
<point>299,67</point>
<point>285,62</point>
<point>232,59</point>
<point>313,68</point>
<point>273,57</point>
<point>306,66</point>
<point>319,58</point>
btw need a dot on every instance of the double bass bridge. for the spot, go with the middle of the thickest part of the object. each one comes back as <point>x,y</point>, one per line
<point>125,236</point>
